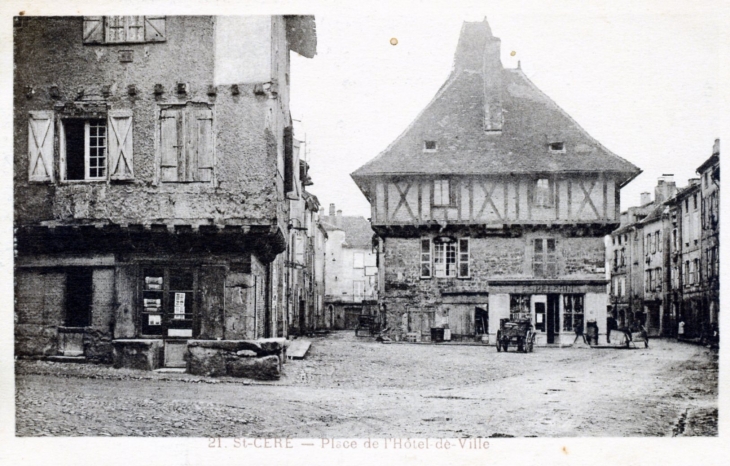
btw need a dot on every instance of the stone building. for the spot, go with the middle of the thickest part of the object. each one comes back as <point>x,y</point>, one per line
<point>152,160</point>
<point>664,258</point>
<point>639,251</point>
<point>493,204</point>
<point>351,272</point>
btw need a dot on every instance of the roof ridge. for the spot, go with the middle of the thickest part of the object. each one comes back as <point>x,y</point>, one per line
<point>572,120</point>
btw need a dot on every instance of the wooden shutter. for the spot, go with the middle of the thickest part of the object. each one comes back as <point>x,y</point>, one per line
<point>40,146</point>
<point>204,137</point>
<point>154,29</point>
<point>93,30</point>
<point>120,145</point>
<point>170,144</point>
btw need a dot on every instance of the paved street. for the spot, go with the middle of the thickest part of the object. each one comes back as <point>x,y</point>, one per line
<point>349,387</point>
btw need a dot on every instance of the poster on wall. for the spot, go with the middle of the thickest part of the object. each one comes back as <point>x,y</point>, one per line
<point>179,306</point>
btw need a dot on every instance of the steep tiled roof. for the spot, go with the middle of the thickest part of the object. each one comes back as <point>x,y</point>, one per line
<point>358,233</point>
<point>455,119</point>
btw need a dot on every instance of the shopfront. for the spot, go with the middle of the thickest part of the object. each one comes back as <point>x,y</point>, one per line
<point>556,308</point>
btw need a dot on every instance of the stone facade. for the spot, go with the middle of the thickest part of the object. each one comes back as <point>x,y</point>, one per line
<point>151,180</point>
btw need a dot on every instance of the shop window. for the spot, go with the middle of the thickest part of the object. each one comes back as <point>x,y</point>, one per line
<point>519,306</point>
<point>168,300</point>
<point>441,193</point>
<point>79,290</point>
<point>123,29</point>
<point>572,312</point>
<point>544,258</point>
<point>543,196</point>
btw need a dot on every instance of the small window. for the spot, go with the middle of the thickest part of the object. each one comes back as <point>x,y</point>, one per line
<point>85,149</point>
<point>444,259</point>
<point>441,193</point>
<point>429,146</point>
<point>557,147</point>
<point>543,193</point>
<point>694,200</point>
<point>544,259</point>
<point>464,257</point>
<point>425,258</point>
<point>123,29</point>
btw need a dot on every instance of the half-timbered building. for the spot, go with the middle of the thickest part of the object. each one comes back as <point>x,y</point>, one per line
<point>493,204</point>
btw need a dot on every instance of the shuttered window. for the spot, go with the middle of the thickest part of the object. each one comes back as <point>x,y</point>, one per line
<point>40,146</point>
<point>120,145</point>
<point>98,149</point>
<point>186,144</point>
<point>123,29</point>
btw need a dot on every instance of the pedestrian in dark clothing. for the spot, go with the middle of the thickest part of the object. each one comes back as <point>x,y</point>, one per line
<point>611,324</point>
<point>579,332</point>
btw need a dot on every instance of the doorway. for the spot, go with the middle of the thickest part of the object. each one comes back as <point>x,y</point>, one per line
<point>78,297</point>
<point>552,318</point>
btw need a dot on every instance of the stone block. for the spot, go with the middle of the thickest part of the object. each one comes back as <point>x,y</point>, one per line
<point>210,362</point>
<point>227,345</point>
<point>246,354</point>
<point>35,340</point>
<point>137,354</point>
<point>265,368</point>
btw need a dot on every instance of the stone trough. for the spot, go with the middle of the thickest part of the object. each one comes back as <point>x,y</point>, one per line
<point>254,359</point>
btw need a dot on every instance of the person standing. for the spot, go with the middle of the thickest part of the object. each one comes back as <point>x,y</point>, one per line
<point>610,325</point>
<point>680,330</point>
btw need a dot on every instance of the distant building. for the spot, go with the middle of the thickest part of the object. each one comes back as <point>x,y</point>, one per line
<point>493,204</point>
<point>664,258</point>
<point>351,270</point>
<point>153,157</point>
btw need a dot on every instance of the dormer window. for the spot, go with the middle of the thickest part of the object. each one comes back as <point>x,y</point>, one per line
<point>557,147</point>
<point>429,146</point>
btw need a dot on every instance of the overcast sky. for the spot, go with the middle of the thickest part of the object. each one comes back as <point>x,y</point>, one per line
<point>644,81</point>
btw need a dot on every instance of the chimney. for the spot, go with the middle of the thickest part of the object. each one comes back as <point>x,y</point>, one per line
<point>332,210</point>
<point>645,198</point>
<point>478,52</point>
<point>716,147</point>
<point>338,219</point>
<point>339,213</point>
<point>666,188</point>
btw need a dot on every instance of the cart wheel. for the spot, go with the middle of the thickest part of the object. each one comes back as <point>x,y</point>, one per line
<point>627,342</point>
<point>505,345</point>
<point>521,345</point>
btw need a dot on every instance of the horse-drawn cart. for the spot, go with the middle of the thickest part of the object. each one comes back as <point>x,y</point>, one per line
<point>518,333</point>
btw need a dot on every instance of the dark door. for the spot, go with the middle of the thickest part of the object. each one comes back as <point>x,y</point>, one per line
<point>553,317</point>
<point>78,297</point>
